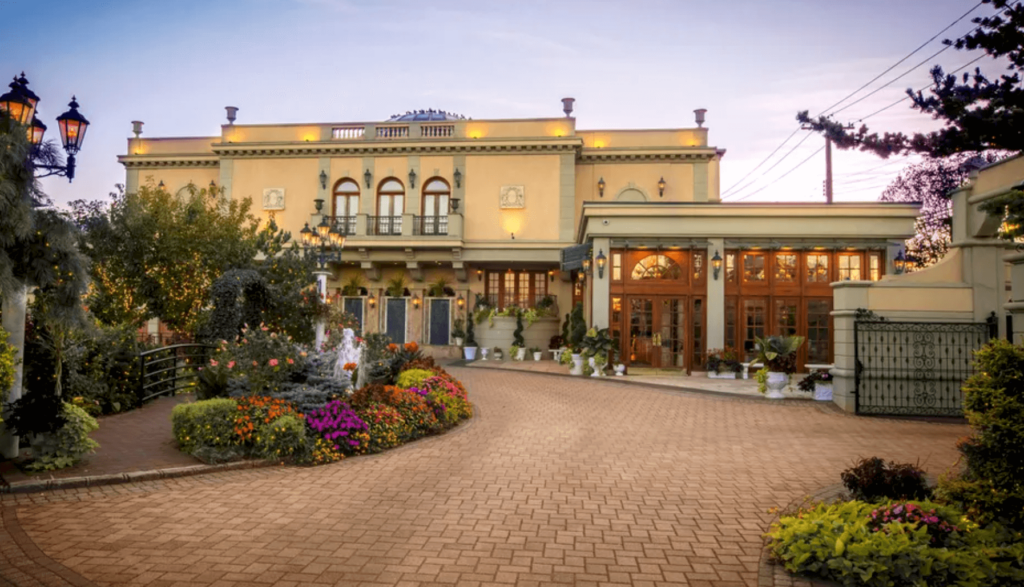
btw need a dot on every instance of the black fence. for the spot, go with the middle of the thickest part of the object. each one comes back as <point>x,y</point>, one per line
<point>915,368</point>
<point>384,225</point>
<point>430,225</point>
<point>168,370</point>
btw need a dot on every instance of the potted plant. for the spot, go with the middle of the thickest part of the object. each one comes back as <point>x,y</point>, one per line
<point>723,364</point>
<point>354,287</point>
<point>458,331</point>
<point>819,383</point>
<point>537,354</point>
<point>778,354</point>
<point>518,351</point>
<point>498,356</point>
<point>597,344</point>
<point>396,286</point>
<point>438,289</point>
<point>577,331</point>
<point>469,350</point>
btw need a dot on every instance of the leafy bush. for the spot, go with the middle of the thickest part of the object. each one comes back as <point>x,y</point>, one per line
<point>254,411</point>
<point>846,542</point>
<point>992,486</point>
<point>340,426</point>
<point>318,452</point>
<point>68,444</point>
<point>265,359</point>
<point>387,427</point>
<point>873,479</point>
<point>412,404</point>
<point>517,335</point>
<point>207,423</point>
<point>7,357</point>
<point>282,438</point>
<point>446,408</point>
<point>103,369</point>
<point>413,378</point>
<point>778,353</point>
<point>807,383</point>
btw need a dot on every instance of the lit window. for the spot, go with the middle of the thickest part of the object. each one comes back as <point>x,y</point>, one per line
<point>875,266</point>
<point>849,267</point>
<point>616,267</point>
<point>817,268</point>
<point>785,267</point>
<point>698,266</point>
<point>753,267</point>
<point>730,267</point>
<point>656,267</point>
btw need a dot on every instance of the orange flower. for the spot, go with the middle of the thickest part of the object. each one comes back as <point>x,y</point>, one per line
<point>349,366</point>
<point>393,347</point>
<point>411,347</point>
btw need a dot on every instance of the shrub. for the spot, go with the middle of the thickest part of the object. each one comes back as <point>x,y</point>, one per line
<point>103,370</point>
<point>992,485</point>
<point>340,426</point>
<point>413,378</point>
<point>807,383</point>
<point>446,408</point>
<point>318,452</point>
<point>207,423</point>
<point>8,354</point>
<point>68,444</point>
<point>306,398</point>
<point>425,363</point>
<point>253,412</point>
<point>846,542</point>
<point>263,358</point>
<point>386,426</point>
<point>412,404</point>
<point>282,438</point>
<point>873,479</point>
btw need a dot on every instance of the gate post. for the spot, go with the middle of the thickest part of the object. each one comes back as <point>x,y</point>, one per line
<point>847,297</point>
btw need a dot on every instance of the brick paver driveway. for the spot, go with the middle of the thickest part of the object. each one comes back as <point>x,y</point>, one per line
<point>558,481</point>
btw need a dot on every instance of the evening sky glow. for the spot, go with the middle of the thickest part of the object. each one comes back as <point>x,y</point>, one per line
<point>638,64</point>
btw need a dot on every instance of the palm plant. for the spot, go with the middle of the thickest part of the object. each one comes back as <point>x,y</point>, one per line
<point>778,353</point>
<point>354,286</point>
<point>437,288</point>
<point>396,286</point>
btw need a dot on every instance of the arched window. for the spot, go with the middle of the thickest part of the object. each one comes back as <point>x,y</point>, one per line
<point>346,205</point>
<point>436,195</point>
<point>390,206</point>
<point>656,267</point>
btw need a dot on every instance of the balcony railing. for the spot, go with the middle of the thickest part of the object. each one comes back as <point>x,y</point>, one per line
<point>437,131</point>
<point>430,225</point>
<point>383,225</point>
<point>539,301</point>
<point>347,132</point>
<point>346,225</point>
<point>393,132</point>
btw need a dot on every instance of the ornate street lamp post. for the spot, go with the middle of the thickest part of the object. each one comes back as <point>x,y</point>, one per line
<point>20,104</point>
<point>330,242</point>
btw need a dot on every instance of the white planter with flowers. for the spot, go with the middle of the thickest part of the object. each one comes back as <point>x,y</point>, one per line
<point>823,391</point>
<point>778,353</point>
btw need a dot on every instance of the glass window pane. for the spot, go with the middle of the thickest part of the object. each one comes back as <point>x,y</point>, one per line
<point>616,267</point>
<point>442,205</point>
<point>698,266</point>
<point>730,267</point>
<point>398,207</point>
<point>753,325</point>
<point>785,267</point>
<point>817,268</point>
<point>753,267</point>
<point>876,266</point>
<point>429,205</point>
<point>384,206</point>
<point>510,289</point>
<point>524,290</point>
<point>818,337</point>
<point>656,267</point>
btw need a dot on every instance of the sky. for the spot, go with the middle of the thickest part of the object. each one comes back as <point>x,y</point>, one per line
<point>630,64</point>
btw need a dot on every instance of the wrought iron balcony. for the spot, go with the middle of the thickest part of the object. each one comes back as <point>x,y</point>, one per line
<point>430,225</point>
<point>345,225</point>
<point>384,225</point>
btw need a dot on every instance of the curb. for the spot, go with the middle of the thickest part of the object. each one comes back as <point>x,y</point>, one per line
<point>132,477</point>
<point>770,574</point>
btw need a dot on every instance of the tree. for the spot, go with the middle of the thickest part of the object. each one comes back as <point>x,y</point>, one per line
<point>156,254</point>
<point>978,114</point>
<point>930,183</point>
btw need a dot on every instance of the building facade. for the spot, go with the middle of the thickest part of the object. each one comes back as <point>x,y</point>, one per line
<point>504,212</point>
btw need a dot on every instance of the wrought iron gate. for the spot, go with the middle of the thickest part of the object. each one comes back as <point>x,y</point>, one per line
<point>915,368</point>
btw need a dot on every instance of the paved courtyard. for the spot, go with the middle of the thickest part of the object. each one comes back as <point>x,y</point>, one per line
<point>557,481</point>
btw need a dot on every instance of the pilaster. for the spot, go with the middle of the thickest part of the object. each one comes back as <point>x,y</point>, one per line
<point>716,297</point>
<point>600,285</point>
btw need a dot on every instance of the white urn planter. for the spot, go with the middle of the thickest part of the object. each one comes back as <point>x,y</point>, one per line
<point>597,368</point>
<point>483,353</point>
<point>822,391</point>
<point>620,369</point>
<point>458,341</point>
<point>537,355</point>
<point>469,352</point>
<point>777,381</point>
<point>521,354</point>
<point>577,365</point>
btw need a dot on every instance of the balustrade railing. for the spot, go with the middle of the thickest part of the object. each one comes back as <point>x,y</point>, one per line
<point>383,225</point>
<point>393,132</point>
<point>430,225</point>
<point>347,132</point>
<point>437,131</point>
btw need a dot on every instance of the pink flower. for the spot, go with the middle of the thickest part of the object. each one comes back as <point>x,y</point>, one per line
<point>255,364</point>
<point>264,328</point>
<point>273,335</point>
<point>290,361</point>
<point>213,363</point>
<point>231,365</point>
<point>273,362</point>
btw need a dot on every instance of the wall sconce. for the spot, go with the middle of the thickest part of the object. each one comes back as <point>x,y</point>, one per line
<point>372,301</point>
<point>160,185</point>
<point>412,178</point>
<point>368,177</point>
<point>458,177</point>
<point>323,179</point>
<point>661,188</point>
<point>460,301</point>
<point>602,260</point>
<point>600,187</point>
<point>716,264</point>
<point>586,265</point>
<point>416,301</point>
<point>479,275</point>
<point>900,263</point>
<point>213,187</point>
<point>513,236</point>
<point>551,275</point>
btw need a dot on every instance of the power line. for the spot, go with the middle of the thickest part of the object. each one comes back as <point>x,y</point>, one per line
<point>776,164</point>
<point>733,189</point>
<point>794,168</point>
<point>923,88</point>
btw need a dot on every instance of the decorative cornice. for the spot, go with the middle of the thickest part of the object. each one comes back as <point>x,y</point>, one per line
<point>612,156</point>
<point>276,150</point>
<point>149,161</point>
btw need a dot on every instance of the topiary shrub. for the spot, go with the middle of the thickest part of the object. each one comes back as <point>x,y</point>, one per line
<point>282,438</point>
<point>207,423</point>
<point>991,487</point>
<point>68,444</point>
<point>578,326</point>
<point>517,335</point>
<point>413,378</point>
<point>873,479</point>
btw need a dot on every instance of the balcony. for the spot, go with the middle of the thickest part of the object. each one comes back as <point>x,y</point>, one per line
<point>430,226</point>
<point>538,301</point>
<point>383,225</point>
<point>345,225</point>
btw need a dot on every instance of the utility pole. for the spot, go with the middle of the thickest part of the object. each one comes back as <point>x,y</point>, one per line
<point>828,163</point>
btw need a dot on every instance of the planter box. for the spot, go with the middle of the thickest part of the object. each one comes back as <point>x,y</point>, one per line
<point>725,375</point>
<point>822,391</point>
<point>500,335</point>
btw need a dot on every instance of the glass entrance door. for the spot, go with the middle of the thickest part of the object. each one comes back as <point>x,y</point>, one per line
<point>657,332</point>
<point>640,345</point>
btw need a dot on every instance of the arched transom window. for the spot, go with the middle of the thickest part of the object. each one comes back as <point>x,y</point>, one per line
<point>346,204</point>
<point>656,267</point>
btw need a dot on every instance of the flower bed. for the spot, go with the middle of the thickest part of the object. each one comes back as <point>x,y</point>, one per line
<point>317,421</point>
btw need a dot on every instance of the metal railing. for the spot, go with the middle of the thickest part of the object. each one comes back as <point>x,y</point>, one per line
<point>430,225</point>
<point>168,370</point>
<point>345,225</point>
<point>384,225</point>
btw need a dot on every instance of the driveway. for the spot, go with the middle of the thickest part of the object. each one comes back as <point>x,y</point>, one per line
<point>557,481</point>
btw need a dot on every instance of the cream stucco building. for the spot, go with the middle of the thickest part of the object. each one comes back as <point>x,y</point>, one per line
<point>504,209</point>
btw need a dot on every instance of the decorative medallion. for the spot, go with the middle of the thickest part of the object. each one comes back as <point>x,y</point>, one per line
<point>512,196</point>
<point>273,198</point>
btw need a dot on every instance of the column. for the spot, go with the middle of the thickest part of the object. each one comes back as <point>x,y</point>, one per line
<point>716,297</point>
<point>14,323</point>
<point>321,288</point>
<point>847,296</point>
<point>600,286</point>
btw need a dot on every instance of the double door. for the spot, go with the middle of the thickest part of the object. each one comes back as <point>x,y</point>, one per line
<point>664,332</point>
